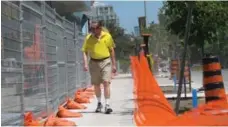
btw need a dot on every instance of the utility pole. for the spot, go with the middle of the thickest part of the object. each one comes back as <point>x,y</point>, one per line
<point>145,11</point>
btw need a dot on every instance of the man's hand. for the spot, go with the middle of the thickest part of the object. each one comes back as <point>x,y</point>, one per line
<point>86,68</point>
<point>114,69</point>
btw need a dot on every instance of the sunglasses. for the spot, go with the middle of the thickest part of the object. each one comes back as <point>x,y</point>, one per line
<point>95,28</point>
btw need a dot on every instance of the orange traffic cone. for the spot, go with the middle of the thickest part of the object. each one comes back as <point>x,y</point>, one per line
<point>66,113</point>
<point>213,80</point>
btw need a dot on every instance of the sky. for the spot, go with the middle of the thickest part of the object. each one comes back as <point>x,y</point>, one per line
<point>129,11</point>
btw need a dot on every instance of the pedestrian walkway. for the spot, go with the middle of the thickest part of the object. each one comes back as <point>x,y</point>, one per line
<point>121,102</point>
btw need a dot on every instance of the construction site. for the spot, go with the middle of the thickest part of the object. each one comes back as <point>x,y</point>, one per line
<point>43,82</point>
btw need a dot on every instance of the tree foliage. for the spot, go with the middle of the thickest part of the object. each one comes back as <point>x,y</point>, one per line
<point>209,20</point>
<point>124,45</point>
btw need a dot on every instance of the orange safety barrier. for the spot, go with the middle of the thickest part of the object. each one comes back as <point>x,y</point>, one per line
<point>63,113</point>
<point>153,109</point>
<point>186,71</point>
<point>174,68</point>
<point>30,121</point>
<point>80,99</point>
<point>74,105</point>
<point>214,113</point>
<point>54,121</point>
<point>151,103</point>
<point>213,80</point>
<point>84,94</point>
<point>90,89</point>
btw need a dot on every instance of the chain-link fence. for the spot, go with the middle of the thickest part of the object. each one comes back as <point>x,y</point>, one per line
<point>41,60</point>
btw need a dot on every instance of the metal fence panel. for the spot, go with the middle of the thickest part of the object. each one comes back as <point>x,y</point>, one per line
<point>33,55</point>
<point>52,68</point>
<point>41,60</point>
<point>11,64</point>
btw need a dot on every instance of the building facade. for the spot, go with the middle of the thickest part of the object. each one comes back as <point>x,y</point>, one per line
<point>105,13</point>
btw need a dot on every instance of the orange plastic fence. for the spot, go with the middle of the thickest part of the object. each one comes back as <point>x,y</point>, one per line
<point>153,109</point>
<point>151,103</point>
<point>214,113</point>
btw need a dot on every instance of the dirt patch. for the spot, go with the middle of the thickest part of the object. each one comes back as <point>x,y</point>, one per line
<point>185,104</point>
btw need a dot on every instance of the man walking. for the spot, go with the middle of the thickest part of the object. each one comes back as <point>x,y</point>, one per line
<point>99,46</point>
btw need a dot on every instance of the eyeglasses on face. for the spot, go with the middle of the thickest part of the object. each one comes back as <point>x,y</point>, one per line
<point>95,28</point>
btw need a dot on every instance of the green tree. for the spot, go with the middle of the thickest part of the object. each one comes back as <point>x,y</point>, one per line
<point>124,45</point>
<point>209,21</point>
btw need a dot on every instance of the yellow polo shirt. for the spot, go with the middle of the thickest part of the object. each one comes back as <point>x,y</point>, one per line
<point>98,48</point>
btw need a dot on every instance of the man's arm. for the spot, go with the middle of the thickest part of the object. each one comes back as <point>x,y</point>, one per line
<point>112,50</point>
<point>85,59</point>
<point>113,56</point>
<point>85,54</point>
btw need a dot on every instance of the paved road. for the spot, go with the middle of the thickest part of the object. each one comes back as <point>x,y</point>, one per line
<point>197,78</point>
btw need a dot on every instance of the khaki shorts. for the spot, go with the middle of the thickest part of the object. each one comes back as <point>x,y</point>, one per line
<point>100,71</point>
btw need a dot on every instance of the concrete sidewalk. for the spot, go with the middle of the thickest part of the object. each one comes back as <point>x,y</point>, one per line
<point>121,102</point>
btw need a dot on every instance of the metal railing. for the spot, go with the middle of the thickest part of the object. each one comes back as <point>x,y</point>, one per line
<point>41,60</point>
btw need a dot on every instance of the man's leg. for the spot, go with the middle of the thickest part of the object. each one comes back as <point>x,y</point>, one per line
<point>106,77</point>
<point>98,92</point>
<point>96,81</point>
<point>98,95</point>
<point>107,97</point>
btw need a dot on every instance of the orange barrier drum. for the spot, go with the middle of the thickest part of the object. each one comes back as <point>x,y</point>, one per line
<point>187,72</point>
<point>174,68</point>
<point>213,80</point>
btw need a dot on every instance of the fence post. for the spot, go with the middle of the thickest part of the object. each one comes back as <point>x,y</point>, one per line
<point>22,62</point>
<point>66,49</point>
<point>45,52</point>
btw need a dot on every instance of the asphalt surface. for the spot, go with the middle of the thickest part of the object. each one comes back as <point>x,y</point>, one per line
<point>197,77</point>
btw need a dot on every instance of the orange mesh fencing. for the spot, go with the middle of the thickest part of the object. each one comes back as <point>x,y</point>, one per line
<point>151,103</point>
<point>153,109</point>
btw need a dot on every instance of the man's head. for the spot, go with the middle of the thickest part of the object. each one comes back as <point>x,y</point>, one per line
<point>96,28</point>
